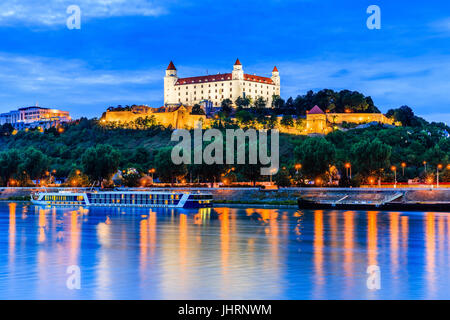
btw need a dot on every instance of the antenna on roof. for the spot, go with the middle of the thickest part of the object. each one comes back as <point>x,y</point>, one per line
<point>206,71</point>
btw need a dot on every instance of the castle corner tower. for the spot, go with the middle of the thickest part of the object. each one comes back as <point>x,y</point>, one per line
<point>170,80</point>
<point>275,76</point>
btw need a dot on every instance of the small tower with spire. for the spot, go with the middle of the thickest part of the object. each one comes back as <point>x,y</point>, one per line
<point>170,80</point>
<point>238,72</point>
<point>275,76</point>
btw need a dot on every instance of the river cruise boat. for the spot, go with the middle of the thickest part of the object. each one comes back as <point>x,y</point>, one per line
<point>167,199</point>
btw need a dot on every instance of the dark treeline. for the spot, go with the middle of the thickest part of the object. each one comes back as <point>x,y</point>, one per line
<point>327,100</point>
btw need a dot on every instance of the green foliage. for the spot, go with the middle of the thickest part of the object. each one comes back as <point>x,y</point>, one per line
<point>34,163</point>
<point>283,178</point>
<point>226,107</point>
<point>315,155</point>
<point>100,162</point>
<point>165,169</point>
<point>131,177</point>
<point>370,156</point>
<point>287,121</point>
<point>242,102</point>
<point>197,110</point>
<point>406,117</point>
<point>244,117</point>
<point>9,164</point>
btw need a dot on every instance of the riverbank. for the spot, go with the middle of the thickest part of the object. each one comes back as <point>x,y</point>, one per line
<point>283,196</point>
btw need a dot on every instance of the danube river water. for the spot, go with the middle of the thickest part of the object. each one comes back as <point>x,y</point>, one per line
<point>221,253</point>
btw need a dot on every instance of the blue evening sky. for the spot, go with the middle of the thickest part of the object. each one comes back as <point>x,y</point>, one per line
<point>120,53</point>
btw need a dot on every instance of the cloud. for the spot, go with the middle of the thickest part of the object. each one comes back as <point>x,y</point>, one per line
<point>53,12</point>
<point>442,27</point>
<point>73,84</point>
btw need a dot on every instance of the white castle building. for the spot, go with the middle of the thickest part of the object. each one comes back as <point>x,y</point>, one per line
<point>216,88</point>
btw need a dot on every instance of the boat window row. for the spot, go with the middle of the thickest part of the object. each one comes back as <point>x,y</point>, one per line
<point>126,198</point>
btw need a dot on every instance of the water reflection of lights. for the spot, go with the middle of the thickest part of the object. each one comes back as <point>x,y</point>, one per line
<point>372,238</point>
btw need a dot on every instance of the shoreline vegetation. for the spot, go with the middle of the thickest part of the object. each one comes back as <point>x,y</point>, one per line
<point>87,153</point>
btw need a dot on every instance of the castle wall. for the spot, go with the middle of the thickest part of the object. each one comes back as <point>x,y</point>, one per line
<point>178,119</point>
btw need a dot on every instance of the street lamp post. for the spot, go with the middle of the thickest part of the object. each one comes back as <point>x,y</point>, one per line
<point>403,168</point>
<point>439,167</point>
<point>425,165</point>
<point>394,169</point>
<point>152,171</point>
<point>348,166</point>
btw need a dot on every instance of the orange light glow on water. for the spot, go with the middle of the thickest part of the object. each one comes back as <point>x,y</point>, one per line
<point>372,237</point>
<point>12,231</point>
<point>348,241</point>
<point>318,245</point>
<point>430,249</point>
<point>394,231</point>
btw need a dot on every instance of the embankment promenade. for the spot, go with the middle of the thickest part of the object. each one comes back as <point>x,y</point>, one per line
<point>281,197</point>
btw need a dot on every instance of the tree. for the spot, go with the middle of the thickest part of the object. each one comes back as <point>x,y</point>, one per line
<point>244,117</point>
<point>131,177</point>
<point>242,102</point>
<point>287,121</point>
<point>166,170</point>
<point>277,102</point>
<point>226,107</point>
<point>260,103</point>
<point>370,156</point>
<point>100,162</point>
<point>34,163</point>
<point>9,164</point>
<point>197,110</point>
<point>283,179</point>
<point>404,115</point>
<point>316,155</point>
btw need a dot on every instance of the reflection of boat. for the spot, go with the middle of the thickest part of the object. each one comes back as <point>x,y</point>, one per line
<point>124,199</point>
<point>390,203</point>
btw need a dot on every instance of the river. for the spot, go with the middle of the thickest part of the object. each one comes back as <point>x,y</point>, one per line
<point>221,253</point>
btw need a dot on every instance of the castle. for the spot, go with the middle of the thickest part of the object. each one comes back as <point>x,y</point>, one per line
<point>216,88</point>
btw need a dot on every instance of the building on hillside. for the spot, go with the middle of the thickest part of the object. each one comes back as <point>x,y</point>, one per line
<point>34,116</point>
<point>178,117</point>
<point>216,88</point>
<point>319,122</point>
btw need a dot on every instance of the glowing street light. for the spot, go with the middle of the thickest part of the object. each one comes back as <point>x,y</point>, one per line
<point>403,167</point>
<point>297,167</point>
<point>348,166</point>
<point>425,165</point>
<point>152,171</point>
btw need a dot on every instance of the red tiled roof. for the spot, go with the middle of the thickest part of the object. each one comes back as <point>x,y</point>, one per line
<point>250,77</point>
<point>275,69</point>
<point>222,77</point>
<point>202,79</point>
<point>237,63</point>
<point>316,110</point>
<point>171,66</point>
